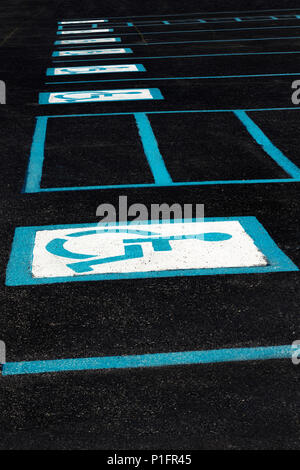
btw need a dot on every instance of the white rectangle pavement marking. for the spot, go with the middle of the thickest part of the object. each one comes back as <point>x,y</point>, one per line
<point>100,95</point>
<point>82,21</point>
<point>168,246</point>
<point>86,41</point>
<point>87,31</point>
<point>96,69</point>
<point>91,52</point>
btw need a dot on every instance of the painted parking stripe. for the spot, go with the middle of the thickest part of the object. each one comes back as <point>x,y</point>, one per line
<point>86,41</point>
<point>199,77</point>
<point>82,21</point>
<point>200,30</point>
<point>145,249</point>
<point>212,356</point>
<point>92,52</point>
<point>198,41</point>
<point>201,13</point>
<point>86,31</point>
<point>153,154</point>
<point>96,69</point>
<point>180,56</point>
<point>100,95</point>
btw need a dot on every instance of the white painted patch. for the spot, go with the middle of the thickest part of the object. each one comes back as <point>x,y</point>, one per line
<point>185,254</point>
<point>87,41</point>
<point>85,31</point>
<point>83,21</point>
<point>92,52</point>
<point>96,69</point>
<point>100,95</point>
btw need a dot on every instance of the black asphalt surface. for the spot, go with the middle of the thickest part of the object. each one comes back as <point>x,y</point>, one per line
<point>243,405</point>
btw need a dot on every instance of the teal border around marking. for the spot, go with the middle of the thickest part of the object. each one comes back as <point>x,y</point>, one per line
<point>44,96</point>
<point>19,267</point>
<point>51,71</point>
<point>150,360</point>
<point>86,31</point>
<point>35,164</point>
<point>126,49</point>
<point>173,56</point>
<point>86,41</point>
<point>71,22</point>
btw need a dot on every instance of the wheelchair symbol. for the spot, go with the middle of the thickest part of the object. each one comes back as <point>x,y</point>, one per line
<point>74,97</point>
<point>132,246</point>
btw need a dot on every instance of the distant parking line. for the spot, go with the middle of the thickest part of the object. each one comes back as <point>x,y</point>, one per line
<point>182,56</point>
<point>207,41</point>
<point>206,77</point>
<point>150,360</point>
<point>209,30</point>
<point>225,110</point>
<point>195,21</point>
<point>197,13</point>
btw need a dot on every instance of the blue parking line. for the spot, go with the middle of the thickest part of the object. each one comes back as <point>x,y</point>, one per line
<point>203,13</point>
<point>178,184</point>
<point>205,77</point>
<point>150,360</point>
<point>224,110</point>
<point>211,30</point>
<point>207,41</point>
<point>184,56</point>
<point>267,145</point>
<point>35,166</point>
<point>154,158</point>
<point>208,21</point>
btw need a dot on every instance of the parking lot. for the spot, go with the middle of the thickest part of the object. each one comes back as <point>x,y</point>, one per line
<point>147,335</point>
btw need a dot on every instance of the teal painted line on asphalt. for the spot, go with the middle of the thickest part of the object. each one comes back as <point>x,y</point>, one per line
<point>198,13</point>
<point>211,41</point>
<point>183,56</point>
<point>153,155</point>
<point>155,185</point>
<point>228,110</point>
<point>210,30</point>
<point>276,154</point>
<point>150,360</point>
<point>36,158</point>
<point>203,77</point>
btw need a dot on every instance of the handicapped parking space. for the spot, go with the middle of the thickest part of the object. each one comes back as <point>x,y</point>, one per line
<point>154,315</point>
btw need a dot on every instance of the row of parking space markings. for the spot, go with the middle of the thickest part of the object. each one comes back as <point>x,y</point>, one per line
<point>152,248</point>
